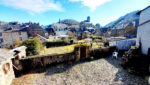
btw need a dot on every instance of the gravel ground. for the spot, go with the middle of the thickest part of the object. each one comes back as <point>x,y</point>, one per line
<point>105,71</point>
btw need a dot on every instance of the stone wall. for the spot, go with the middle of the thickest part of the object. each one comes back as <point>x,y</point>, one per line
<point>39,61</point>
<point>6,73</point>
<point>10,37</point>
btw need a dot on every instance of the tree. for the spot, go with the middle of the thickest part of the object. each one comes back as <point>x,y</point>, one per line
<point>17,43</point>
<point>34,46</point>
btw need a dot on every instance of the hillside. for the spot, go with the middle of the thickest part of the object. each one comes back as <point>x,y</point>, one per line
<point>124,21</point>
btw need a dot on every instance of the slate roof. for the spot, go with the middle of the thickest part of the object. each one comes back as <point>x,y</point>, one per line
<point>143,10</point>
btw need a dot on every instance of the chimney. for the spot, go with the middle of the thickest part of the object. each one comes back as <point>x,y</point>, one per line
<point>38,24</point>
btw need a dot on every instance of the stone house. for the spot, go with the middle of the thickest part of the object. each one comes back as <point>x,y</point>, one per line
<point>143,32</point>
<point>7,38</point>
<point>33,29</point>
<point>41,38</point>
<point>60,31</point>
<point>130,31</point>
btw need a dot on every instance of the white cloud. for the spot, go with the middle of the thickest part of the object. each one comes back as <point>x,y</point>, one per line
<point>36,6</point>
<point>92,4</point>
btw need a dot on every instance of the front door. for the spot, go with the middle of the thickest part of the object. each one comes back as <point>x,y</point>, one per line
<point>83,52</point>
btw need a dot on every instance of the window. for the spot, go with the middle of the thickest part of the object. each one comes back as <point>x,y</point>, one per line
<point>6,68</point>
<point>0,34</point>
<point>1,40</point>
<point>21,38</point>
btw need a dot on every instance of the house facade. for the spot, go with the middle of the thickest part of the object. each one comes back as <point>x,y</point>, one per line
<point>7,38</point>
<point>143,33</point>
<point>34,29</point>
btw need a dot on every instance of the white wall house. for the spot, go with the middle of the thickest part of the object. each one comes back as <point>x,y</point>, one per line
<point>61,32</point>
<point>60,29</point>
<point>7,38</point>
<point>143,33</point>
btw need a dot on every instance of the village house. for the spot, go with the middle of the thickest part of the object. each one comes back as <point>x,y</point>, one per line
<point>35,29</point>
<point>60,31</point>
<point>7,38</point>
<point>143,33</point>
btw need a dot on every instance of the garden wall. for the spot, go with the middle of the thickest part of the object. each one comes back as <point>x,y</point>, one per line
<point>39,61</point>
<point>123,44</point>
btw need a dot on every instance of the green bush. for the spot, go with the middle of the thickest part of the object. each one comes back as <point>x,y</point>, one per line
<point>56,43</point>
<point>17,43</point>
<point>96,37</point>
<point>34,46</point>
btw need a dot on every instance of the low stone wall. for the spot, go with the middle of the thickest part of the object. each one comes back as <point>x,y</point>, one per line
<point>102,52</point>
<point>40,61</point>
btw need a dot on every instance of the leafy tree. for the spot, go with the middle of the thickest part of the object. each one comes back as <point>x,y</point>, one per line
<point>34,46</point>
<point>17,43</point>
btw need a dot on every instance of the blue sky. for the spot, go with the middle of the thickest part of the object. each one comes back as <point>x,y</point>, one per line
<point>49,11</point>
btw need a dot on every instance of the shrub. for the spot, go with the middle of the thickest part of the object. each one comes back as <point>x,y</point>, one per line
<point>56,43</point>
<point>136,63</point>
<point>34,46</point>
<point>17,43</point>
<point>96,37</point>
<point>82,45</point>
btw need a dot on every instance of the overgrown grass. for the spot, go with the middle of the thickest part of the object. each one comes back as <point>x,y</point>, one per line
<point>97,45</point>
<point>59,50</point>
<point>68,48</point>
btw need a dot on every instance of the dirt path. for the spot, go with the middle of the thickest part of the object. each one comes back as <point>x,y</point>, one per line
<point>98,72</point>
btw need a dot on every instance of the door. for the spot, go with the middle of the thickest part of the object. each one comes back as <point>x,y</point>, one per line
<point>83,52</point>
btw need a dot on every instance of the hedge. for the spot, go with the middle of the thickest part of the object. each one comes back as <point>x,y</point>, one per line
<point>56,43</point>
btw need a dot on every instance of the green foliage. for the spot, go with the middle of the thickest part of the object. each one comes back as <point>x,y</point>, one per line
<point>96,37</point>
<point>71,37</point>
<point>17,43</point>
<point>34,46</point>
<point>56,43</point>
<point>82,45</point>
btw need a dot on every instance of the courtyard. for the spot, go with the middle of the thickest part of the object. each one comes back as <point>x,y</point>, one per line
<point>105,71</point>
